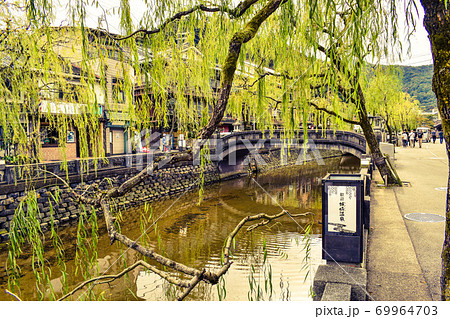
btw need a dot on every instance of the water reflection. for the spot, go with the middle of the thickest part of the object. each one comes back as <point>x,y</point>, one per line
<point>285,257</point>
<point>194,235</point>
<point>295,189</point>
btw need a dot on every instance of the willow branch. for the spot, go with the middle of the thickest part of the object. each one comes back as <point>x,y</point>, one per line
<point>109,278</point>
<point>324,109</point>
<point>13,294</point>
<point>238,11</point>
<point>208,276</point>
<point>80,198</point>
<point>198,275</point>
<point>191,285</point>
<point>332,56</point>
<point>247,219</point>
<point>261,76</point>
<point>337,39</point>
<point>150,253</point>
<point>241,8</point>
<point>269,98</point>
<point>229,67</point>
<point>252,227</point>
<point>276,101</point>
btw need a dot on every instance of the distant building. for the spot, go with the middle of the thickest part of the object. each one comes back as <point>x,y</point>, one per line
<point>112,65</point>
<point>378,126</point>
<point>105,93</point>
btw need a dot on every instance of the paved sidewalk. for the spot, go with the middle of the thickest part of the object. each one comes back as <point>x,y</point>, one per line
<point>404,257</point>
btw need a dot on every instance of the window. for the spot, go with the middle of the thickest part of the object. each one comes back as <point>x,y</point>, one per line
<point>49,135</point>
<point>68,93</point>
<point>118,94</point>
<point>110,53</point>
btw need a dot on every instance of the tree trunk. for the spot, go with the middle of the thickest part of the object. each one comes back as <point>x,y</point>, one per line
<point>229,67</point>
<point>437,23</point>
<point>360,102</point>
<point>389,128</point>
<point>377,156</point>
<point>371,140</point>
<point>391,137</point>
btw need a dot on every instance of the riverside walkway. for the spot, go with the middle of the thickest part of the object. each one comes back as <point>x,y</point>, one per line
<point>404,256</point>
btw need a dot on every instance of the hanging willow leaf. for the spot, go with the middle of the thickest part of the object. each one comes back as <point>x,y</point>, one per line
<point>195,61</point>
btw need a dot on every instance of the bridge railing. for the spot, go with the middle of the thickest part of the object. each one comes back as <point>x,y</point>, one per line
<point>244,139</point>
<point>278,138</point>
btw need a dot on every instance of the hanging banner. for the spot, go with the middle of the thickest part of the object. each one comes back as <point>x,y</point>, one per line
<point>342,209</point>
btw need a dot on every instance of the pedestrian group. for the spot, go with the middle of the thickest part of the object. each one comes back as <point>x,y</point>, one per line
<point>410,138</point>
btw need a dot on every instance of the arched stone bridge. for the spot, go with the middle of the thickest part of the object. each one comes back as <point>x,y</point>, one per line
<point>237,145</point>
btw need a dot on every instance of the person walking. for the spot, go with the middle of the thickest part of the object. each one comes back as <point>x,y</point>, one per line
<point>441,136</point>
<point>420,138</point>
<point>405,139</point>
<point>181,143</point>
<point>434,135</point>
<point>412,139</point>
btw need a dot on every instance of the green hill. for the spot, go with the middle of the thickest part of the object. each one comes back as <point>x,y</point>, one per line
<point>417,82</point>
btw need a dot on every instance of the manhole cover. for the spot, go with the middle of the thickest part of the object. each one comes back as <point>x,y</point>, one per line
<point>441,189</point>
<point>425,217</point>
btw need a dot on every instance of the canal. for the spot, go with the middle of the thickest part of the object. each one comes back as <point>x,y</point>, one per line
<point>269,263</point>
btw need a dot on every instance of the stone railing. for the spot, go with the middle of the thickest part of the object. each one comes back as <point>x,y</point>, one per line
<point>14,174</point>
<point>346,141</point>
<point>340,140</point>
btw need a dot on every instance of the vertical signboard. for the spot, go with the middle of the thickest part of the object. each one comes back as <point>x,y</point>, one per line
<point>342,209</point>
<point>342,229</point>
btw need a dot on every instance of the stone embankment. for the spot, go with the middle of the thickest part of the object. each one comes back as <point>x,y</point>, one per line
<point>165,182</point>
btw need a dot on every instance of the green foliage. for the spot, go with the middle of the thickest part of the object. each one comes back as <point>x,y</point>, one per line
<point>221,289</point>
<point>306,43</point>
<point>384,97</point>
<point>17,159</point>
<point>260,278</point>
<point>184,56</point>
<point>417,83</point>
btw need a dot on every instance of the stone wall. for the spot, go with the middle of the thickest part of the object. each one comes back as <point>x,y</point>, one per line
<point>275,159</point>
<point>163,183</point>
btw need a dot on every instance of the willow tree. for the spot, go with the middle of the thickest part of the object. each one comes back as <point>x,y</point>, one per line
<point>347,35</point>
<point>309,44</point>
<point>386,99</point>
<point>22,58</point>
<point>37,86</point>
<point>318,55</point>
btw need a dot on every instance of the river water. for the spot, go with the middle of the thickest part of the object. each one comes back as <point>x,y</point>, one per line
<point>194,234</point>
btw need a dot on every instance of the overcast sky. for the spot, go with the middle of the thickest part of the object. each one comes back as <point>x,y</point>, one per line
<point>420,45</point>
